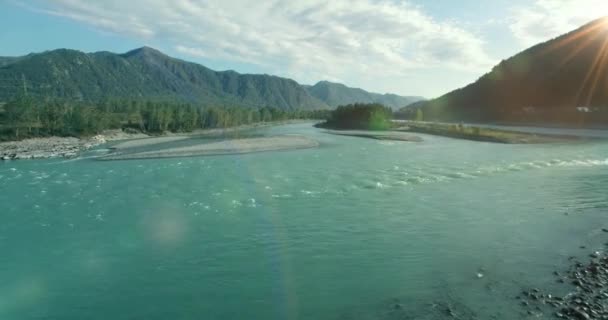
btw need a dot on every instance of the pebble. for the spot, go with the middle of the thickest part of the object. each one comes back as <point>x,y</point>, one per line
<point>52,147</point>
<point>588,301</point>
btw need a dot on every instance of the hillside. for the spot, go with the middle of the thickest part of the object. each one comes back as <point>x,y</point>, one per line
<point>7,60</point>
<point>337,94</point>
<point>146,73</point>
<point>562,81</point>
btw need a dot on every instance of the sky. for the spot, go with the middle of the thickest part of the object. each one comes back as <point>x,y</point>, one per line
<point>410,47</point>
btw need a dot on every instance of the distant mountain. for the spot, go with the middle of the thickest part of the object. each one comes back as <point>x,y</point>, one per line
<point>145,73</point>
<point>336,94</point>
<point>564,80</point>
<point>149,74</point>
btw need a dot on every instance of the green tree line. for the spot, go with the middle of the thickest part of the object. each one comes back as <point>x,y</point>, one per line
<point>25,117</point>
<point>410,113</point>
<point>366,116</point>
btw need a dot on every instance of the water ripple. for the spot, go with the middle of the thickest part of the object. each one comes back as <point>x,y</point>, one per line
<point>380,179</point>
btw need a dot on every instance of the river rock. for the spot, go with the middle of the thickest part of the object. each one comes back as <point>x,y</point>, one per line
<point>588,301</point>
<point>99,139</point>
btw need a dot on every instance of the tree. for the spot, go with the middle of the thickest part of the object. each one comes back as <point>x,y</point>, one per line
<point>360,116</point>
<point>53,116</point>
<point>21,113</point>
<point>77,118</point>
<point>266,115</point>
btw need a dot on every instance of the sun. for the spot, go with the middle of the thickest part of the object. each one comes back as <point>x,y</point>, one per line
<point>584,38</point>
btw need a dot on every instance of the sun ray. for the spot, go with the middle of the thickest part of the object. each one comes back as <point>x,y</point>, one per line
<point>596,29</point>
<point>577,50</point>
<point>598,71</point>
<point>593,71</point>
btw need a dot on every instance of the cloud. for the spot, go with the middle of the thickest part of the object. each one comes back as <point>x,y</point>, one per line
<point>547,19</point>
<point>309,39</point>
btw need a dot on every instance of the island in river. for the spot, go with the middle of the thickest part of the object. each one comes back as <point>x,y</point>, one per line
<point>230,141</point>
<point>378,135</point>
<point>375,121</point>
<point>486,134</point>
<point>128,150</point>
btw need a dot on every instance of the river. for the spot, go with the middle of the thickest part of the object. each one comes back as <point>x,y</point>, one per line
<point>354,229</point>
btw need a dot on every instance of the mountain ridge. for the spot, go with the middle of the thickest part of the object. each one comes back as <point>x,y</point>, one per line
<point>147,73</point>
<point>336,94</point>
<point>555,81</point>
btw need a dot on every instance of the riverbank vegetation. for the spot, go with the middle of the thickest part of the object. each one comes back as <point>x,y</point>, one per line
<point>360,116</point>
<point>475,133</point>
<point>25,117</point>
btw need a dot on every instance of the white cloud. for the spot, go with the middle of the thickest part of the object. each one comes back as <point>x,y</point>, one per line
<point>308,40</point>
<point>546,19</point>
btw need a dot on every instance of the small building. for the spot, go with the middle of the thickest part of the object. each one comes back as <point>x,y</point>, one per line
<point>529,109</point>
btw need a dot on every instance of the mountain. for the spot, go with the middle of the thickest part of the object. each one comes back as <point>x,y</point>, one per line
<point>145,73</point>
<point>7,60</point>
<point>337,94</point>
<point>561,81</point>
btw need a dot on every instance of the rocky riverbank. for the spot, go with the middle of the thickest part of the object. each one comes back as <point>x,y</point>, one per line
<point>51,147</point>
<point>69,147</point>
<point>58,147</point>
<point>588,291</point>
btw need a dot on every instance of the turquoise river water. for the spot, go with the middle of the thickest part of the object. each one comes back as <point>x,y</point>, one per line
<point>355,229</point>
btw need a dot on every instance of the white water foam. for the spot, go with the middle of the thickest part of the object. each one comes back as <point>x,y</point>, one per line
<point>281,196</point>
<point>583,163</point>
<point>251,203</point>
<point>483,171</point>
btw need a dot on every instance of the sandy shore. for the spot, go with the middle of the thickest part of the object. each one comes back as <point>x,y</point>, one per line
<point>236,146</point>
<point>70,147</point>
<point>147,142</point>
<point>219,133</point>
<point>378,135</point>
